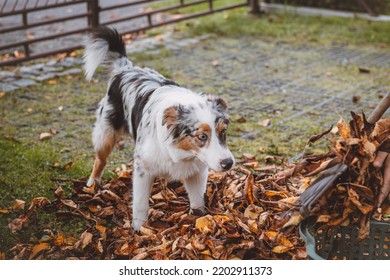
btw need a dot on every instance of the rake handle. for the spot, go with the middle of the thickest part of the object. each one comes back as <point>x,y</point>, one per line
<point>380,109</point>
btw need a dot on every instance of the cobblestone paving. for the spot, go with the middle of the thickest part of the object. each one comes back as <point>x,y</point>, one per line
<point>301,88</point>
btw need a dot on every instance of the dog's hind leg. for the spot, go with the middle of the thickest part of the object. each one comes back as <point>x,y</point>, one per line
<point>104,139</point>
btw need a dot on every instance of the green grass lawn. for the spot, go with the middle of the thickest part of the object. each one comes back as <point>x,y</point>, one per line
<point>28,164</point>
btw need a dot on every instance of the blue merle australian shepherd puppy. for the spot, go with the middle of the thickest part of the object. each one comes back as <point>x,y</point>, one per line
<point>178,134</point>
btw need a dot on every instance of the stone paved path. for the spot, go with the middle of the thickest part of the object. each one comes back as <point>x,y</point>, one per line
<point>285,91</point>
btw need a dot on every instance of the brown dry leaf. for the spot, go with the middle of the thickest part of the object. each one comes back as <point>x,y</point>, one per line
<point>140,256</point>
<point>18,223</point>
<point>4,211</point>
<point>68,165</point>
<point>253,212</point>
<point>241,119</point>
<point>85,239</point>
<point>249,185</point>
<point>52,82</point>
<point>252,164</point>
<point>316,137</point>
<point>18,204</point>
<point>110,195</point>
<point>381,130</point>
<point>59,191</point>
<point>69,203</point>
<point>248,156</point>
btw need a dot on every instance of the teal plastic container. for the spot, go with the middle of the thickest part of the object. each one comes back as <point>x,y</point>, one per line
<point>330,243</point>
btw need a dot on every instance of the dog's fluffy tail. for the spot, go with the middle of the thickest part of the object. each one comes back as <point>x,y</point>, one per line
<point>104,45</point>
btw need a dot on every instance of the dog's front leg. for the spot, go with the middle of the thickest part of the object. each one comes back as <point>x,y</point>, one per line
<point>142,184</point>
<point>196,188</point>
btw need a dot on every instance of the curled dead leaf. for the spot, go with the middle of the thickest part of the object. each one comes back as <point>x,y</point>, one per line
<point>85,239</point>
<point>18,204</point>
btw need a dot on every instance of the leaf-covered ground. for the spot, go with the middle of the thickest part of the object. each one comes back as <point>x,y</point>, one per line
<point>243,221</point>
<point>246,208</point>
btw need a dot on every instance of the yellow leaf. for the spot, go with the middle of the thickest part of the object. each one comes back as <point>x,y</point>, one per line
<point>205,224</point>
<point>271,234</point>
<point>52,82</point>
<point>344,129</point>
<point>59,240</point>
<point>280,249</point>
<point>274,193</point>
<point>288,200</point>
<point>39,248</point>
<point>101,229</point>
<point>4,211</point>
<point>285,242</point>
<point>253,226</point>
<point>294,220</point>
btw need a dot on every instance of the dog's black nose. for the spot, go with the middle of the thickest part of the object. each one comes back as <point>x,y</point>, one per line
<point>227,163</point>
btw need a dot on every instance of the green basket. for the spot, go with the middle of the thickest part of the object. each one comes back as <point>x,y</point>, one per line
<point>329,243</point>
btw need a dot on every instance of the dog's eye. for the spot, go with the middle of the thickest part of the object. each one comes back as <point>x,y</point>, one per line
<point>203,137</point>
<point>223,133</point>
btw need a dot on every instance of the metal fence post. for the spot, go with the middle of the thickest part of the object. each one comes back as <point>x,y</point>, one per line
<point>254,6</point>
<point>93,8</point>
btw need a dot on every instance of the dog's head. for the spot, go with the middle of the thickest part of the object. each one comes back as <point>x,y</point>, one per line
<point>198,130</point>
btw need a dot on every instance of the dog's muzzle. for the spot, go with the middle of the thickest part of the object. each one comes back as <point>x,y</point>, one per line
<point>226,163</point>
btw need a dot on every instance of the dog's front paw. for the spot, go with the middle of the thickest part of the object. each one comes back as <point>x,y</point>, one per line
<point>137,224</point>
<point>202,211</point>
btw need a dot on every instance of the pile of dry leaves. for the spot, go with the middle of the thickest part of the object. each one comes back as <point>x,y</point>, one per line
<point>346,191</point>
<point>253,211</point>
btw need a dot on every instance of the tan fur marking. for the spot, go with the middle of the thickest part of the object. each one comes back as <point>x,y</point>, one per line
<point>102,154</point>
<point>220,127</point>
<point>188,144</point>
<point>206,129</point>
<point>193,143</point>
<point>170,116</point>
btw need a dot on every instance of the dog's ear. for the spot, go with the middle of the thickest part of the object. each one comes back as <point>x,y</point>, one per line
<point>170,116</point>
<point>219,104</point>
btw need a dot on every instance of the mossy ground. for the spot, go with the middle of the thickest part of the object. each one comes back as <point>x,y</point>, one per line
<point>269,67</point>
